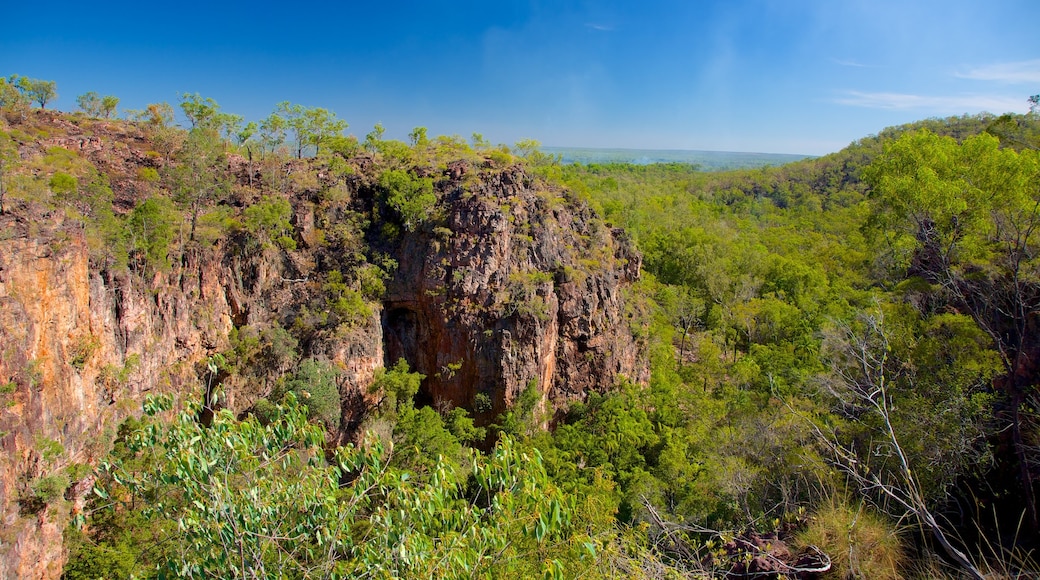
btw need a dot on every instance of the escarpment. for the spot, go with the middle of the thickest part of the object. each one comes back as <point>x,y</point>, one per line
<point>501,282</point>
<point>521,287</point>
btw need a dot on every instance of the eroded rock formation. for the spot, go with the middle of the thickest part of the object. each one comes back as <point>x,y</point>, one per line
<point>511,284</point>
<point>522,286</point>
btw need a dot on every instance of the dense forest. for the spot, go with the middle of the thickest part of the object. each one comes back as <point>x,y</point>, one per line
<point>839,353</point>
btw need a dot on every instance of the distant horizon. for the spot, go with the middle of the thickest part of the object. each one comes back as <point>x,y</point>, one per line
<point>674,150</point>
<point>705,160</point>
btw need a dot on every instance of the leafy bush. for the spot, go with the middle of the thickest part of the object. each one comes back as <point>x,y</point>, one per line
<point>269,219</point>
<point>411,197</point>
<point>50,487</point>
<point>63,185</point>
<point>398,386</point>
<point>314,385</point>
<point>147,174</point>
<point>151,230</point>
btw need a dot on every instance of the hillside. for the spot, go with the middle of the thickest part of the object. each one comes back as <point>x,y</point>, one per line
<point>129,281</point>
<point>351,357</point>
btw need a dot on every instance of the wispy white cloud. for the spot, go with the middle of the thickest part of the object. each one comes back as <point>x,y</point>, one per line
<point>936,104</point>
<point>851,63</point>
<point>1027,71</point>
<point>600,27</point>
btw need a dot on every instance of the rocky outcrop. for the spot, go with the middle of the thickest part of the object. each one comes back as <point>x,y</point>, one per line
<point>511,284</point>
<point>521,287</point>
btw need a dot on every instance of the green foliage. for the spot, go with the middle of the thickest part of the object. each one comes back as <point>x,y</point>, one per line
<point>262,354</point>
<point>371,279</point>
<point>397,386</point>
<point>200,112</point>
<point>269,219</point>
<point>13,97</point>
<point>346,147</point>
<point>935,374</point>
<point>411,197</point>
<point>63,185</point>
<point>82,349</point>
<point>49,488</point>
<point>97,106</point>
<point>147,174</point>
<point>418,137</point>
<point>199,179</point>
<point>240,499</point>
<point>315,385</point>
<point>150,228</point>
<point>311,126</point>
<point>344,306</point>
<point>109,106</point>
<point>969,206</point>
<point>29,91</point>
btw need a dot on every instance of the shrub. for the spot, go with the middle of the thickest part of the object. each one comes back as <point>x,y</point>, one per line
<point>265,412</point>
<point>82,349</point>
<point>412,197</point>
<point>346,305</point>
<point>147,174</point>
<point>314,385</point>
<point>63,185</point>
<point>50,487</point>
<point>269,219</point>
<point>397,385</point>
<point>151,230</point>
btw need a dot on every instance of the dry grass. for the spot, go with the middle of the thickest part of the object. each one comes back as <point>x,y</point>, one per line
<point>861,543</point>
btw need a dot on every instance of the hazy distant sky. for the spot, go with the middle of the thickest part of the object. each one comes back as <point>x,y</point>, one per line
<point>784,76</point>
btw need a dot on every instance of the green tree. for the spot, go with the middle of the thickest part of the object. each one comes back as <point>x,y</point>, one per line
<point>109,103</point>
<point>270,219</point>
<point>418,137</point>
<point>321,126</point>
<point>63,185</point>
<point>272,133</point>
<point>965,219</point>
<point>397,386</point>
<point>246,138</point>
<point>200,178</point>
<point>151,230</point>
<point>12,92</point>
<point>229,126</point>
<point>920,428</point>
<point>90,103</point>
<point>97,106</point>
<point>39,91</point>
<point>295,119</point>
<point>374,137</point>
<point>200,112</point>
<point>159,114</point>
<point>243,499</point>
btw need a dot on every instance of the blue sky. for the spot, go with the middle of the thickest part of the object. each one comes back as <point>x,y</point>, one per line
<point>778,76</point>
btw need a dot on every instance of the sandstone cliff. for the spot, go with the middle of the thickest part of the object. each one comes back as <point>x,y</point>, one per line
<point>511,283</point>
<point>521,286</point>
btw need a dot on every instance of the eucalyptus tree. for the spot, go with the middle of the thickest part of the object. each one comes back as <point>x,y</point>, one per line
<point>965,219</point>
<point>199,177</point>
